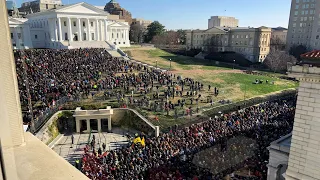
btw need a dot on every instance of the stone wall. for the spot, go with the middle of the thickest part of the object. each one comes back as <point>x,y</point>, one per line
<point>305,145</point>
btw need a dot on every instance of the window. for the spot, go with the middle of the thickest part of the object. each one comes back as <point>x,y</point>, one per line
<point>305,18</point>
<point>19,35</point>
<point>92,36</point>
<point>232,36</point>
<point>297,6</point>
<point>36,36</point>
<point>297,1</point>
<point>237,36</point>
<point>307,6</point>
<point>112,35</point>
<point>65,23</point>
<point>84,24</point>
<point>300,24</point>
<point>302,12</point>
<point>122,35</point>
<point>11,35</point>
<point>55,6</point>
<point>301,19</point>
<point>117,35</point>
<point>65,36</point>
<point>91,24</point>
<point>295,18</point>
<point>247,36</point>
<point>84,36</point>
<point>317,37</point>
<point>74,23</point>
<point>311,5</point>
<point>303,6</point>
<point>47,6</point>
<point>306,12</point>
<point>296,13</point>
<point>124,42</point>
<point>119,43</point>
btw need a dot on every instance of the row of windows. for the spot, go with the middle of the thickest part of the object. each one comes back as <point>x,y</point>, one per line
<point>302,30</point>
<point>241,36</point>
<point>305,6</point>
<point>296,13</point>
<point>302,24</point>
<point>18,34</point>
<point>298,1</point>
<point>278,36</point>
<point>303,18</point>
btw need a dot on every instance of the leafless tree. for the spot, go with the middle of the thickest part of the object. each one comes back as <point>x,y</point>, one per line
<point>277,44</point>
<point>169,39</point>
<point>212,44</point>
<point>277,60</point>
<point>136,33</point>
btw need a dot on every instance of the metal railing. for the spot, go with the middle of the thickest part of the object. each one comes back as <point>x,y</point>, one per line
<point>40,120</point>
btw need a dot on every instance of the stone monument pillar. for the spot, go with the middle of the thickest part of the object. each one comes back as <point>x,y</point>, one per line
<point>304,155</point>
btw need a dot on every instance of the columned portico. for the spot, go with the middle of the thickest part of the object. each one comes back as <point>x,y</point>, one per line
<point>87,115</point>
<point>79,22</point>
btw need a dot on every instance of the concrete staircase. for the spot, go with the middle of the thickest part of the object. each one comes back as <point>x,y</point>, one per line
<point>89,44</point>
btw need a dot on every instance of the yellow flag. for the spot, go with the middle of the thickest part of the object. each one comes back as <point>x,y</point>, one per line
<point>137,140</point>
<point>143,142</point>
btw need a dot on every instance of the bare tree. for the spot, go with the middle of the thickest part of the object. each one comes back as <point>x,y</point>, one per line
<point>277,60</point>
<point>136,33</point>
<point>277,44</point>
<point>212,44</point>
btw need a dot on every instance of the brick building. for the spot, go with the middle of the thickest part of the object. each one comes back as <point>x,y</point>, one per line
<point>114,8</point>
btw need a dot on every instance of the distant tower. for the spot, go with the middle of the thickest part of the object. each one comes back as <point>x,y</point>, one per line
<point>114,8</point>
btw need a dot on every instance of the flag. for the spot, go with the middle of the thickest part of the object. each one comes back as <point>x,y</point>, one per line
<point>143,143</point>
<point>137,140</point>
<point>105,153</point>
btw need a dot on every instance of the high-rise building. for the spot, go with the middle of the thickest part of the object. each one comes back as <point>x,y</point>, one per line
<point>304,24</point>
<point>39,6</point>
<point>222,21</point>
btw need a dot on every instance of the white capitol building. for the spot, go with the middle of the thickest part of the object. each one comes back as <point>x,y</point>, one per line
<point>77,25</point>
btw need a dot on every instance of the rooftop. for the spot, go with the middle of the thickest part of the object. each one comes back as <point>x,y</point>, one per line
<point>313,54</point>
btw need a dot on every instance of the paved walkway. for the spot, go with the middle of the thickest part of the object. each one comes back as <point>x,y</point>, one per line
<point>71,152</point>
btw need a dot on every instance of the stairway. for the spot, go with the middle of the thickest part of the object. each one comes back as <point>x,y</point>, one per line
<point>89,44</point>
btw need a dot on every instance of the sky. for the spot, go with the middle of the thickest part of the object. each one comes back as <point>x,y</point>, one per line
<point>194,14</point>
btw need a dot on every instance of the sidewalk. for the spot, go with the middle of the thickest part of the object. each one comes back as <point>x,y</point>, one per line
<point>71,152</point>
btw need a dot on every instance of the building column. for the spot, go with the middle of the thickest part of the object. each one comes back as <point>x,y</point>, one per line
<point>105,30</point>
<point>272,172</point>
<point>109,124</point>
<point>16,38</point>
<point>97,30</point>
<point>55,30</point>
<point>157,131</point>
<point>79,30</point>
<point>27,37</point>
<point>70,35</point>
<point>88,125</point>
<point>88,30</point>
<point>59,26</point>
<point>99,125</point>
<point>78,122</point>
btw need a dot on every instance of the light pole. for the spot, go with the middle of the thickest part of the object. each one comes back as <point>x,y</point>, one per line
<point>234,62</point>
<point>156,64</point>
<point>170,64</point>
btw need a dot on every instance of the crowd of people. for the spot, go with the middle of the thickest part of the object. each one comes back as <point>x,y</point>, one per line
<point>170,155</point>
<point>53,74</point>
